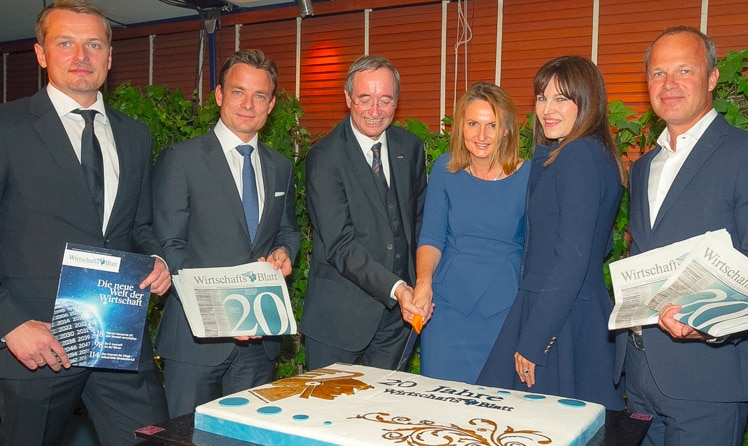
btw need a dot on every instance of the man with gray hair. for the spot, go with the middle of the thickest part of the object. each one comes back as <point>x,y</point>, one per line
<point>366,184</point>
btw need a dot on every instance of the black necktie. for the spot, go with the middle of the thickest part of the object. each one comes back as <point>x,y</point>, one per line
<point>249,191</point>
<point>92,160</point>
<point>376,162</point>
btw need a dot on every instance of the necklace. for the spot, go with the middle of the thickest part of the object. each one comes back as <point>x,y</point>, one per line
<point>498,177</point>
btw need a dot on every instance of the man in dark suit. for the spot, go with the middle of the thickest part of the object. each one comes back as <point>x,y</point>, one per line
<point>45,202</point>
<point>366,184</point>
<point>695,180</point>
<point>200,219</point>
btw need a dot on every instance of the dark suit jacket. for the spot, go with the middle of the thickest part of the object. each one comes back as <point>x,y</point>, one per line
<point>45,202</point>
<point>200,221</point>
<point>710,192</point>
<point>349,285</point>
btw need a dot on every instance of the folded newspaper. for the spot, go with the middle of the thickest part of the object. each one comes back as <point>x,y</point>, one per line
<point>244,300</point>
<point>705,275</point>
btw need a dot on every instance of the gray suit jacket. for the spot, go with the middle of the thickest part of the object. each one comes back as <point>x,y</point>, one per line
<point>44,203</point>
<point>349,285</point>
<point>199,218</point>
<point>710,192</point>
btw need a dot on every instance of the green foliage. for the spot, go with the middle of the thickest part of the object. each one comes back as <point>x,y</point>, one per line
<point>731,94</point>
<point>435,143</point>
<point>167,113</point>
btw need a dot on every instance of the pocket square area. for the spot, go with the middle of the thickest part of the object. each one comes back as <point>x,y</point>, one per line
<point>280,194</point>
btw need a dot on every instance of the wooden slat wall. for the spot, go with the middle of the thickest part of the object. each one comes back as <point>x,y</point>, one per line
<point>481,52</point>
<point>624,38</point>
<point>328,47</point>
<point>536,31</point>
<point>175,61</point>
<point>23,75</point>
<point>278,41</point>
<point>130,62</point>
<point>416,55</point>
<point>728,25</point>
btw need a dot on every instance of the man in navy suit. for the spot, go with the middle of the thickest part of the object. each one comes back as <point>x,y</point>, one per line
<point>200,219</point>
<point>366,184</point>
<point>695,180</point>
<point>45,202</point>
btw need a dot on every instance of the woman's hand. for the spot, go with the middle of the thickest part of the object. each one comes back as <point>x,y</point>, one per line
<point>525,369</point>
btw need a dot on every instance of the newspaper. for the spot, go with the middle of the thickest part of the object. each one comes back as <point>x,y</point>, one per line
<point>637,279</point>
<point>244,300</point>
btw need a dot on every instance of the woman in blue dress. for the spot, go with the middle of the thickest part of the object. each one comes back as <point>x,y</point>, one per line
<point>470,245</point>
<point>555,339</point>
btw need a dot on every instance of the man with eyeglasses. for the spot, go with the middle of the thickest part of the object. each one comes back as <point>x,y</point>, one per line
<point>366,184</point>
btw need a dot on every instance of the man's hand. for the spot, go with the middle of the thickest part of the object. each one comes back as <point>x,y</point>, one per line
<point>159,279</point>
<point>675,328</point>
<point>280,260</point>
<point>34,345</point>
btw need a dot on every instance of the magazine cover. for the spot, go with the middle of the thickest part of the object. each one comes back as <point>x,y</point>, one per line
<point>100,309</point>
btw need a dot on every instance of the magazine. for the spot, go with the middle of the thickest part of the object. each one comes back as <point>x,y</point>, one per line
<point>100,311</point>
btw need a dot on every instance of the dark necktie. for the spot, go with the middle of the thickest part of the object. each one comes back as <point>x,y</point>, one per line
<point>376,162</point>
<point>249,191</point>
<point>92,160</point>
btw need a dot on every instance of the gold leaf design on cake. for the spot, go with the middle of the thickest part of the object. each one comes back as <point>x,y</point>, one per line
<point>326,384</point>
<point>427,433</point>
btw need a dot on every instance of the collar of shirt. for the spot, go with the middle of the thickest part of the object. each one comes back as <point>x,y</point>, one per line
<point>365,143</point>
<point>687,140</point>
<point>64,104</point>
<point>235,160</point>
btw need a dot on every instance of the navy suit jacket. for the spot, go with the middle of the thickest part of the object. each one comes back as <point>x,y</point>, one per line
<point>199,218</point>
<point>710,192</point>
<point>350,278</point>
<point>45,203</point>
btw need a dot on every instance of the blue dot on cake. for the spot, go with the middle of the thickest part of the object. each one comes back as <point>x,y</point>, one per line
<point>572,403</point>
<point>269,410</point>
<point>534,397</point>
<point>301,417</point>
<point>233,402</point>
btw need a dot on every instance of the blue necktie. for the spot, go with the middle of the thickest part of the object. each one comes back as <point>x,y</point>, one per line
<point>92,160</point>
<point>249,191</point>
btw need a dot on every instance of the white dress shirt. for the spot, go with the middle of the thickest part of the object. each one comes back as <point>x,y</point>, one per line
<point>74,124</point>
<point>668,162</point>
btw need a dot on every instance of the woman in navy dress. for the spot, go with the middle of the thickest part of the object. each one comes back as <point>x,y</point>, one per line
<point>555,339</point>
<point>470,245</point>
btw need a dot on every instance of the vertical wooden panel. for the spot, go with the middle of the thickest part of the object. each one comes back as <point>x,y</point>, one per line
<point>410,38</point>
<point>175,61</point>
<point>728,20</point>
<point>536,31</point>
<point>481,17</point>
<point>328,46</point>
<point>278,41</point>
<point>23,75</point>
<point>129,63</point>
<point>624,37</point>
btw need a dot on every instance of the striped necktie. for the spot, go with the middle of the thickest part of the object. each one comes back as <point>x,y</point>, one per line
<point>376,162</point>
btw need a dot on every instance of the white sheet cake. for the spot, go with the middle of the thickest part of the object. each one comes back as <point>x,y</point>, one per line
<point>356,405</point>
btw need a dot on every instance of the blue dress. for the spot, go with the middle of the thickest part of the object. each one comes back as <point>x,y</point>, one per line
<point>478,226</point>
<point>559,320</point>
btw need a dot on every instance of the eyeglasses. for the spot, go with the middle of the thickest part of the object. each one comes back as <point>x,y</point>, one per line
<point>368,103</point>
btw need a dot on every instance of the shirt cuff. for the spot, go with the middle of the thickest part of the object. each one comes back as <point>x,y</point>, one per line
<point>394,287</point>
